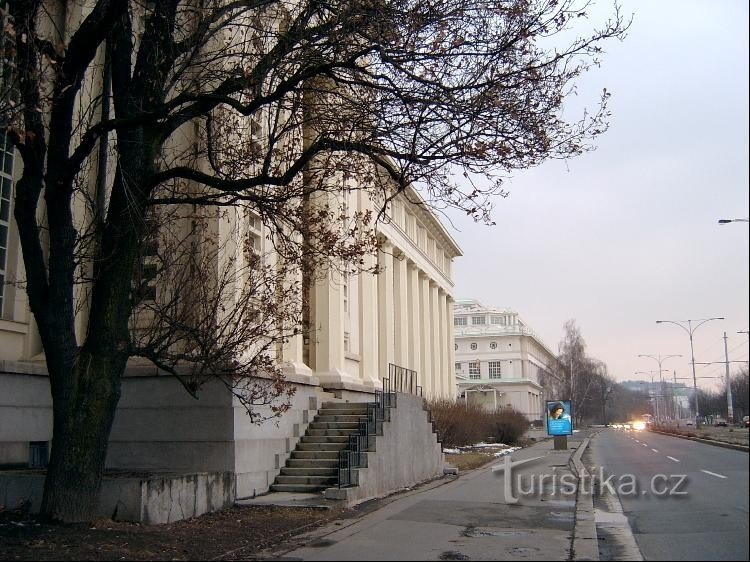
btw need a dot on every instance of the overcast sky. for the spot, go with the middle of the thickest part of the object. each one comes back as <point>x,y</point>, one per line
<point>628,234</point>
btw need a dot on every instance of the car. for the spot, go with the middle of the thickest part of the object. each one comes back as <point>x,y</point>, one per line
<point>746,421</point>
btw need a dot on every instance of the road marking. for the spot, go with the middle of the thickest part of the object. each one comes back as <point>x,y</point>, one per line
<point>654,450</point>
<point>713,474</point>
<point>673,459</point>
<point>644,444</point>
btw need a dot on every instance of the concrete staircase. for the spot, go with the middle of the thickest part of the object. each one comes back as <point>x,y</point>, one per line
<point>313,465</point>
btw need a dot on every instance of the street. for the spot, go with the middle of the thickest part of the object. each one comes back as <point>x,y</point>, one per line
<point>690,501</point>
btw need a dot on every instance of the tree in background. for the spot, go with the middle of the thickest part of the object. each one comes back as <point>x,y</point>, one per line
<point>128,114</point>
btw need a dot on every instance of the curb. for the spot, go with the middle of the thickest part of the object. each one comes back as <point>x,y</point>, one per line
<point>585,541</point>
<point>705,441</point>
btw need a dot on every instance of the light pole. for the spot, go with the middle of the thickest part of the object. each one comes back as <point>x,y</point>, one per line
<point>659,360</point>
<point>655,403</point>
<point>690,329</point>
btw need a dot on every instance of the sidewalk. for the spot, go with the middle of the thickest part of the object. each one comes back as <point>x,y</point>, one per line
<point>465,518</point>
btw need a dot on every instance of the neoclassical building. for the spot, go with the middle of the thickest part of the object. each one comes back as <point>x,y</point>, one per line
<point>500,362</point>
<point>359,325</point>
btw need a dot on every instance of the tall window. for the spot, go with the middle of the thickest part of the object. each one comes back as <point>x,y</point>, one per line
<point>474,371</point>
<point>458,367</point>
<point>494,369</point>
<point>6,190</point>
<point>8,93</point>
<point>477,320</point>
<point>459,321</point>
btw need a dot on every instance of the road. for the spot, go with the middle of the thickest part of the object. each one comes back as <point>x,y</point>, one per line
<point>689,501</point>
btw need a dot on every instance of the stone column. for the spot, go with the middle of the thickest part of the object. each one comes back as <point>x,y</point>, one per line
<point>414,322</point>
<point>435,339</point>
<point>368,326</point>
<point>452,392</point>
<point>425,334</point>
<point>385,309</point>
<point>329,330</point>
<point>400,310</point>
<point>444,345</point>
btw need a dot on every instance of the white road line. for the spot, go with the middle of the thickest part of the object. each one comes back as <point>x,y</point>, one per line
<point>713,474</point>
<point>654,450</point>
<point>644,444</point>
<point>673,459</point>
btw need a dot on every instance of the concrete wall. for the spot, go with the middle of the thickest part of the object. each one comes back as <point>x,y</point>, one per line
<point>25,414</point>
<point>407,453</point>
<point>153,500</point>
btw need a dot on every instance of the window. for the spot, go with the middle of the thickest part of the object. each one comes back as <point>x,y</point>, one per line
<point>478,320</point>
<point>346,342</point>
<point>455,346</point>
<point>474,372</point>
<point>496,319</point>
<point>473,346</point>
<point>459,321</point>
<point>6,190</point>
<point>493,345</point>
<point>458,367</point>
<point>494,369</point>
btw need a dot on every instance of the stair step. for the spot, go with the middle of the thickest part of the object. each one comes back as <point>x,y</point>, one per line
<point>325,439</point>
<point>334,425</point>
<point>320,418</point>
<point>343,412</point>
<point>330,432</point>
<point>344,405</point>
<point>327,455</point>
<point>287,471</point>
<point>312,463</point>
<point>321,446</point>
<point>325,481</point>
<point>297,488</point>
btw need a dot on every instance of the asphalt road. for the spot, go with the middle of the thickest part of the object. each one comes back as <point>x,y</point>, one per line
<point>683,500</point>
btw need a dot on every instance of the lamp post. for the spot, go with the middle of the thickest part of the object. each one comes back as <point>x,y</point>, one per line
<point>655,403</point>
<point>659,360</point>
<point>690,329</point>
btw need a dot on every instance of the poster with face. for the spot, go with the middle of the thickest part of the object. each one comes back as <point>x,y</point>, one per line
<point>559,418</point>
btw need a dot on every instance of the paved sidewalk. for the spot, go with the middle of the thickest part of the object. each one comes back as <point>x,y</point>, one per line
<point>467,518</point>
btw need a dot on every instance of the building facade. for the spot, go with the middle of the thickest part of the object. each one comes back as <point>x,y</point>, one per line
<point>500,362</point>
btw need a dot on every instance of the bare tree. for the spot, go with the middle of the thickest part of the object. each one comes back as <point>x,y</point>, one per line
<point>122,109</point>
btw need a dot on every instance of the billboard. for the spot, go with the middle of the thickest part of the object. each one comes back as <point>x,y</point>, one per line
<point>559,417</point>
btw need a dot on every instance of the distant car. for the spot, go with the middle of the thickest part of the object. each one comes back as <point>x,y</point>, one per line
<point>721,423</point>
<point>746,421</point>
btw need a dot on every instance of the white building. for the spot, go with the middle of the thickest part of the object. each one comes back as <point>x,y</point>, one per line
<point>500,362</point>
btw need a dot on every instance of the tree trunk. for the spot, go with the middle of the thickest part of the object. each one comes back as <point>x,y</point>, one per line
<point>85,404</point>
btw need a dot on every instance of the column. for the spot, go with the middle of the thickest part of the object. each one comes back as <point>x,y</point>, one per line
<point>328,331</point>
<point>291,353</point>
<point>452,391</point>
<point>414,355</point>
<point>400,309</point>
<point>385,309</point>
<point>425,336</point>
<point>444,344</point>
<point>368,326</point>
<point>435,339</point>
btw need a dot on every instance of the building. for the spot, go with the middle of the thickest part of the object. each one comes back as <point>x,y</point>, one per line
<point>500,362</point>
<point>362,324</point>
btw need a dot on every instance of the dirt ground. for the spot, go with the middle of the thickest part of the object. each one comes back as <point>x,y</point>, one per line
<point>233,534</point>
<point>736,435</point>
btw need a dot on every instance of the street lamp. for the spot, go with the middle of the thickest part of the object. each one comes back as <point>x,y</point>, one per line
<point>654,402</point>
<point>659,360</point>
<point>727,221</point>
<point>690,329</point>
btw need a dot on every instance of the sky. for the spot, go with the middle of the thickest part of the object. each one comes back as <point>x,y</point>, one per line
<point>628,234</point>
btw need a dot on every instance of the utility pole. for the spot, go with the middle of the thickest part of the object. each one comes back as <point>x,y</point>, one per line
<point>674,396</point>
<point>730,409</point>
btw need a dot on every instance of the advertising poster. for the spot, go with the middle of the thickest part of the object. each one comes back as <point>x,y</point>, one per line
<point>559,417</point>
